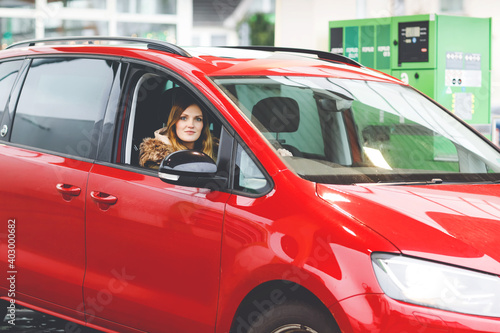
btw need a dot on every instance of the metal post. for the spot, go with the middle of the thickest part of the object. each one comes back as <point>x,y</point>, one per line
<point>40,16</point>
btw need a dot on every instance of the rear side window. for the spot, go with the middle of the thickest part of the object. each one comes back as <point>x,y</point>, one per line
<point>8,74</point>
<point>61,101</point>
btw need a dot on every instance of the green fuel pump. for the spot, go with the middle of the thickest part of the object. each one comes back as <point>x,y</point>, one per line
<point>446,57</point>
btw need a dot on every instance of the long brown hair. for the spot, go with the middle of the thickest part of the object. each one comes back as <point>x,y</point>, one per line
<point>182,101</point>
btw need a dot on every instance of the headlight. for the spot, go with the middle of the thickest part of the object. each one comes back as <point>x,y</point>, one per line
<point>437,285</point>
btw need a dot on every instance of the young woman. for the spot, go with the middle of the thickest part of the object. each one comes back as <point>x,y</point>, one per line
<point>187,128</point>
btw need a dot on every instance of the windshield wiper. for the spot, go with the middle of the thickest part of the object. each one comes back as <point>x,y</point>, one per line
<point>433,181</point>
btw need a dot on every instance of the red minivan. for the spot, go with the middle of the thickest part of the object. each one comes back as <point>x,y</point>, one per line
<point>337,198</point>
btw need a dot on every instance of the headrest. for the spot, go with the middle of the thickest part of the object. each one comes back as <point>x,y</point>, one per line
<point>276,114</point>
<point>176,94</point>
<point>171,96</point>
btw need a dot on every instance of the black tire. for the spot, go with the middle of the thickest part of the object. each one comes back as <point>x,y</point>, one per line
<point>292,316</point>
<point>3,310</point>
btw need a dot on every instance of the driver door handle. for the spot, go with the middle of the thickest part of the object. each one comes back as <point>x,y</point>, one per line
<point>68,191</point>
<point>103,198</point>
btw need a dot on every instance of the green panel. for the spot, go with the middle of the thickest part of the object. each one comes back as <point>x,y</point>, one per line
<point>367,43</point>
<point>352,43</point>
<point>463,77</point>
<point>383,53</point>
<point>457,71</point>
<point>421,79</point>
<point>363,33</point>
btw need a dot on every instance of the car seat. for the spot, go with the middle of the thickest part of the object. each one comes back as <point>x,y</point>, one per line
<point>278,115</point>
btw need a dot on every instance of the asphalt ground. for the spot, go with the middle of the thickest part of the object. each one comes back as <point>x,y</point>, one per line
<point>30,321</point>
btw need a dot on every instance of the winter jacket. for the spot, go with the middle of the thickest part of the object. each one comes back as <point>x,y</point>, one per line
<point>154,150</point>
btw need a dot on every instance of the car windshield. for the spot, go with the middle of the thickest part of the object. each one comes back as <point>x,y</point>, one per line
<point>344,131</point>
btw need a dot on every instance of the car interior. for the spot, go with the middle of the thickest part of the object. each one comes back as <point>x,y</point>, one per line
<point>152,99</point>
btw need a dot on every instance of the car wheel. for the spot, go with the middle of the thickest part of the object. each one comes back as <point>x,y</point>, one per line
<point>293,316</point>
<point>294,328</point>
<point>3,310</point>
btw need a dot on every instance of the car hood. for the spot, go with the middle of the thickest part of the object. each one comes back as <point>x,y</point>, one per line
<point>457,224</point>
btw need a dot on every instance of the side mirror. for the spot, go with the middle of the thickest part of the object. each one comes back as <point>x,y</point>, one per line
<point>190,168</point>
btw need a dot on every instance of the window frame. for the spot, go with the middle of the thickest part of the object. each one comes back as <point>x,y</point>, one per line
<point>5,107</point>
<point>8,118</point>
<point>8,114</point>
<point>121,117</point>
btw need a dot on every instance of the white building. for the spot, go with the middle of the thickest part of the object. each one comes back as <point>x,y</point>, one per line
<point>184,22</point>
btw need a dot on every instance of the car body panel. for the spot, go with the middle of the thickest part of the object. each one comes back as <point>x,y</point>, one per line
<point>164,259</point>
<point>50,247</point>
<point>366,313</point>
<point>276,238</point>
<point>458,224</point>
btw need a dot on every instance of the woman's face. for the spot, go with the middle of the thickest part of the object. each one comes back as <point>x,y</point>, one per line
<point>189,126</point>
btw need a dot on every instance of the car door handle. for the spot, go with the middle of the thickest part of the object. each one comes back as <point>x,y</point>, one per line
<point>103,198</point>
<point>68,191</point>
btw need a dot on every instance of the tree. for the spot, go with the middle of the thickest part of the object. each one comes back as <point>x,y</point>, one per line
<point>261,26</point>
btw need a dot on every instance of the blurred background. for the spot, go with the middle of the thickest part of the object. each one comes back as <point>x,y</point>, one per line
<point>292,23</point>
<point>184,22</point>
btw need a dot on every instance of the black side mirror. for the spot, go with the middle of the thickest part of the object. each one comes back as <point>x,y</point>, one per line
<point>190,168</point>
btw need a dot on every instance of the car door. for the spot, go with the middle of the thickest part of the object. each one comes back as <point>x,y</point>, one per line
<point>9,73</point>
<point>44,176</point>
<point>153,249</point>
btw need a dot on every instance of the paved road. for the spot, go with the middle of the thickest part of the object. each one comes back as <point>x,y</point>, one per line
<point>28,321</point>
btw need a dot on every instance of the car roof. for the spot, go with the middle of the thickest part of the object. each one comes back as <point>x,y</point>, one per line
<point>212,61</point>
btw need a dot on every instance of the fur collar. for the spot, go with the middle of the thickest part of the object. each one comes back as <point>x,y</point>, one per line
<point>153,151</point>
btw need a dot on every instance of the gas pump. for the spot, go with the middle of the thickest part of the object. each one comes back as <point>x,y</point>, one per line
<point>447,58</point>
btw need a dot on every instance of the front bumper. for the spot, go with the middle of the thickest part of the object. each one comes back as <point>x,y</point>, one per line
<point>373,313</point>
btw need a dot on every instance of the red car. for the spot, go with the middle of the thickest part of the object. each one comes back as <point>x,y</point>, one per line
<point>323,197</point>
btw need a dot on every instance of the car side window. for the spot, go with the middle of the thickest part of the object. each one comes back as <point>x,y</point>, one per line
<point>248,177</point>
<point>8,74</point>
<point>154,95</point>
<point>148,111</point>
<point>61,101</point>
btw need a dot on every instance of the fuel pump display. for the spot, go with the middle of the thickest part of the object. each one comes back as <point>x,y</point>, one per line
<point>413,45</point>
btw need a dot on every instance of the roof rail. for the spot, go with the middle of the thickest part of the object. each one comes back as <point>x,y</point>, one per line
<point>320,54</point>
<point>150,43</point>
